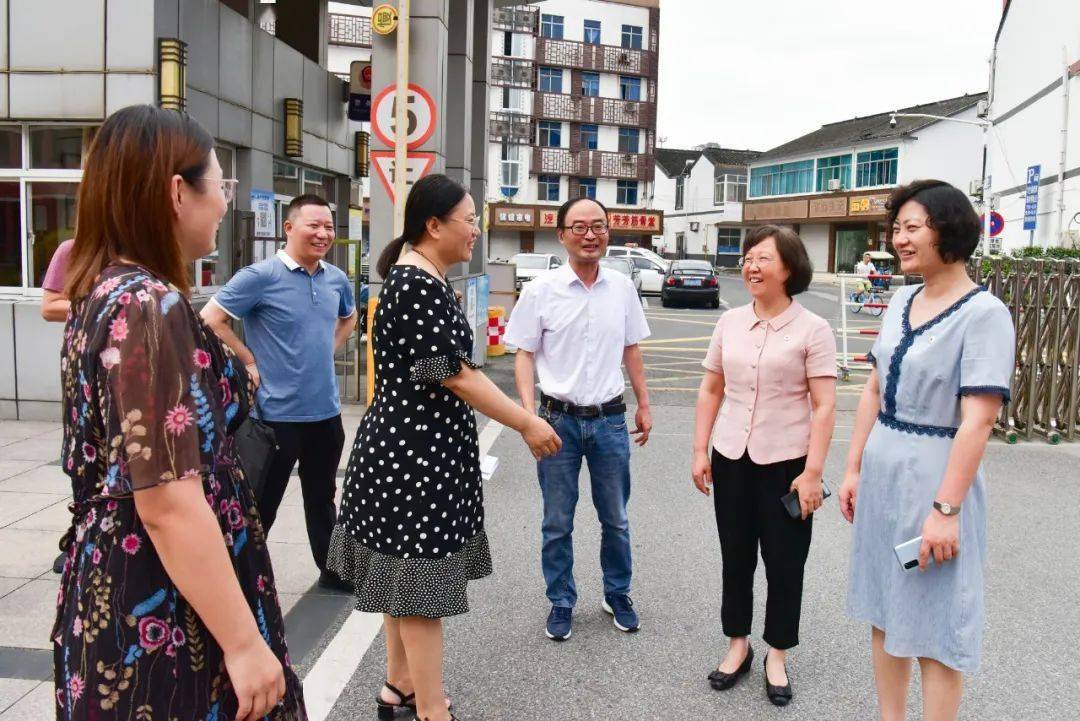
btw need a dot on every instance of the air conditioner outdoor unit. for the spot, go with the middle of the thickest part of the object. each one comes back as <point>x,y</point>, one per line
<point>631,106</point>
<point>834,184</point>
<point>975,187</point>
<point>624,57</point>
<point>628,158</point>
<point>1070,239</point>
<point>694,226</point>
<point>982,109</point>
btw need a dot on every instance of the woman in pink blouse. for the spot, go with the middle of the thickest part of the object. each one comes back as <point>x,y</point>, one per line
<point>771,375</point>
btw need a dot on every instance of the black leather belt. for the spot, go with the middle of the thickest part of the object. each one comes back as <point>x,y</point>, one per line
<point>608,408</point>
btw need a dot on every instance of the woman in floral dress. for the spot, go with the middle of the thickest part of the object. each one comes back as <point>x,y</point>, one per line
<point>167,607</point>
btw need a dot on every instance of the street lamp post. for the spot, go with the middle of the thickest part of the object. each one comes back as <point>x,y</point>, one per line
<point>985,124</point>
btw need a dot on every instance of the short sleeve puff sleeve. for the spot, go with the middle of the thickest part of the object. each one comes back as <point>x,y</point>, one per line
<point>431,328</point>
<point>987,360</point>
<point>160,423</point>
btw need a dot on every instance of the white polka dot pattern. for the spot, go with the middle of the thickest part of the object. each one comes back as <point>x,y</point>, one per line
<point>411,524</point>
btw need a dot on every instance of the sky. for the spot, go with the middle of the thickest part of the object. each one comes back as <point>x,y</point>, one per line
<point>758,73</point>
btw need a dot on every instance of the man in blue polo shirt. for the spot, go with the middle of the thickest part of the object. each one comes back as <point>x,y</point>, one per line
<point>297,310</point>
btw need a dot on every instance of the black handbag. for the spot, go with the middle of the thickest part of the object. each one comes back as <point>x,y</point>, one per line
<point>256,443</point>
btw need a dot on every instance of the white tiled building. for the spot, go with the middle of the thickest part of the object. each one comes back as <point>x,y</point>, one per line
<point>573,112</point>
<point>701,193</point>
<point>831,185</point>
<point>1028,95</point>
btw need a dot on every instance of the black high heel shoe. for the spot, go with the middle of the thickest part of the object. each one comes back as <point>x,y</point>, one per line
<point>387,710</point>
<point>778,695</point>
<point>723,681</point>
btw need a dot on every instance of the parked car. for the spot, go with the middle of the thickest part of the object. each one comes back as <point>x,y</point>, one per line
<point>651,272</point>
<point>691,280</point>
<point>627,268</point>
<point>633,251</point>
<point>530,265</point>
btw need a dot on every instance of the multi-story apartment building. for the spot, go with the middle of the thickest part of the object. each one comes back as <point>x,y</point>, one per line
<point>573,113</point>
<point>701,193</point>
<point>831,185</point>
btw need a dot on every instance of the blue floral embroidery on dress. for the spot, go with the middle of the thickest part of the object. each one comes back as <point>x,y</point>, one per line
<point>206,417</point>
<point>149,604</point>
<point>907,339</point>
<point>1002,391</point>
<point>919,429</point>
<point>260,615</point>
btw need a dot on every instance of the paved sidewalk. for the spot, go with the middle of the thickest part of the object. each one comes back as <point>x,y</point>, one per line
<point>34,493</point>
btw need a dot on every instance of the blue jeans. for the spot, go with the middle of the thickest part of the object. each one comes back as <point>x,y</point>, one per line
<point>605,444</point>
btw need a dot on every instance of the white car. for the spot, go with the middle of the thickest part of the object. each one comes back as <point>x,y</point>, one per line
<point>651,273</point>
<point>529,265</point>
<point>626,267</point>
<point>633,251</point>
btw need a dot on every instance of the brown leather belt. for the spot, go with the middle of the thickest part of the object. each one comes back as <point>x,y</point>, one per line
<point>608,408</point>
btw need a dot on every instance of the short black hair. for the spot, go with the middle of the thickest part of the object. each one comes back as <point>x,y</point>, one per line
<point>301,200</point>
<point>792,253</point>
<point>949,213</point>
<point>560,218</point>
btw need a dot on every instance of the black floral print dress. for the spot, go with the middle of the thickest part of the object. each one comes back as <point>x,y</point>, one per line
<point>150,396</point>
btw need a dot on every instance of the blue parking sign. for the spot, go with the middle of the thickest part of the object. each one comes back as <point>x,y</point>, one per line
<point>1031,196</point>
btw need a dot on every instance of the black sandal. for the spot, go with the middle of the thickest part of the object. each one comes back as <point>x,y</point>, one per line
<point>388,710</point>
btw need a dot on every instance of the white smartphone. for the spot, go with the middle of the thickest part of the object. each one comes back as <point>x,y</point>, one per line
<point>907,553</point>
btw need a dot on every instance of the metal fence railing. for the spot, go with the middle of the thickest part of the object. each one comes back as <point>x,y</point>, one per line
<point>1044,299</point>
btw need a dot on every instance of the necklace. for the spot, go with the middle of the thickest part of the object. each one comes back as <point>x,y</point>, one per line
<point>442,272</point>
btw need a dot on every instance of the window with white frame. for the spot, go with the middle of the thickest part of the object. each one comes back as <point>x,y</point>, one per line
<point>632,37</point>
<point>626,192</point>
<point>510,166</point>
<point>629,140</point>
<point>550,133</point>
<point>40,171</point>
<point>592,32</point>
<point>587,188</point>
<point>729,188</point>
<point>876,167</point>
<point>680,192</point>
<point>629,87</point>
<point>551,26</point>
<point>547,187</point>
<point>728,240</point>
<point>836,168</point>
<point>550,80</point>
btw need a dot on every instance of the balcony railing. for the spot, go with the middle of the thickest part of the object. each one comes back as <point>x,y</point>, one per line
<point>518,20</point>
<point>600,58</point>
<point>586,109</point>
<point>592,164</point>
<point>511,127</point>
<point>512,72</point>
<point>352,30</point>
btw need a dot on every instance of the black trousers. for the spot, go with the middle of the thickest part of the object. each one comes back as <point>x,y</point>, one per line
<point>317,446</point>
<point>749,513</point>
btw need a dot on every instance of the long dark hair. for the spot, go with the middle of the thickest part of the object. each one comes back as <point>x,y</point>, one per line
<point>124,208</point>
<point>433,196</point>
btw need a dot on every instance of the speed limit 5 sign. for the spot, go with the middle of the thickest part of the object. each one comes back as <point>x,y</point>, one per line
<point>419,112</point>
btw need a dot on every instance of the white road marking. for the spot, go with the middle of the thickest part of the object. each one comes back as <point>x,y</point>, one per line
<point>338,662</point>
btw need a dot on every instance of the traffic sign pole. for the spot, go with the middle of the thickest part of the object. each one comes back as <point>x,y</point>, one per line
<point>401,127</point>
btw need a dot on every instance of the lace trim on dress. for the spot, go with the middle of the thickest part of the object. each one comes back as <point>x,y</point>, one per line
<point>1002,391</point>
<point>918,429</point>
<point>908,336</point>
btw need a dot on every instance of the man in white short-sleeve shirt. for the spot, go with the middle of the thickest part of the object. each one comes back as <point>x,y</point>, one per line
<point>576,327</point>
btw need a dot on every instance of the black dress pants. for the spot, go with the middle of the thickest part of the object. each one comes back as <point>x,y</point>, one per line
<point>748,513</point>
<point>317,446</point>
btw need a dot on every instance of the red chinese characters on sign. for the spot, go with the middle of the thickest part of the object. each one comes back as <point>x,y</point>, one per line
<point>548,219</point>
<point>633,221</point>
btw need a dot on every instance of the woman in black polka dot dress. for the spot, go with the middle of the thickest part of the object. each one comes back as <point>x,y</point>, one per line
<point>410,532</point>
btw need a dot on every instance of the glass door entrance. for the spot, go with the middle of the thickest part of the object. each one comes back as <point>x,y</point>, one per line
<point>850,245</point>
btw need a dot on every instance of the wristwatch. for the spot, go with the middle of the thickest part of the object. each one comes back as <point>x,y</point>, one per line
<point>947,509</point>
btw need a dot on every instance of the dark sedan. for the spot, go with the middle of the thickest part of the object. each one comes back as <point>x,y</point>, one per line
<point>690,281</point>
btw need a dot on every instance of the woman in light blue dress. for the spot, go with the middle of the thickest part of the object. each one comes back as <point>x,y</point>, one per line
<point>943,363</point>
